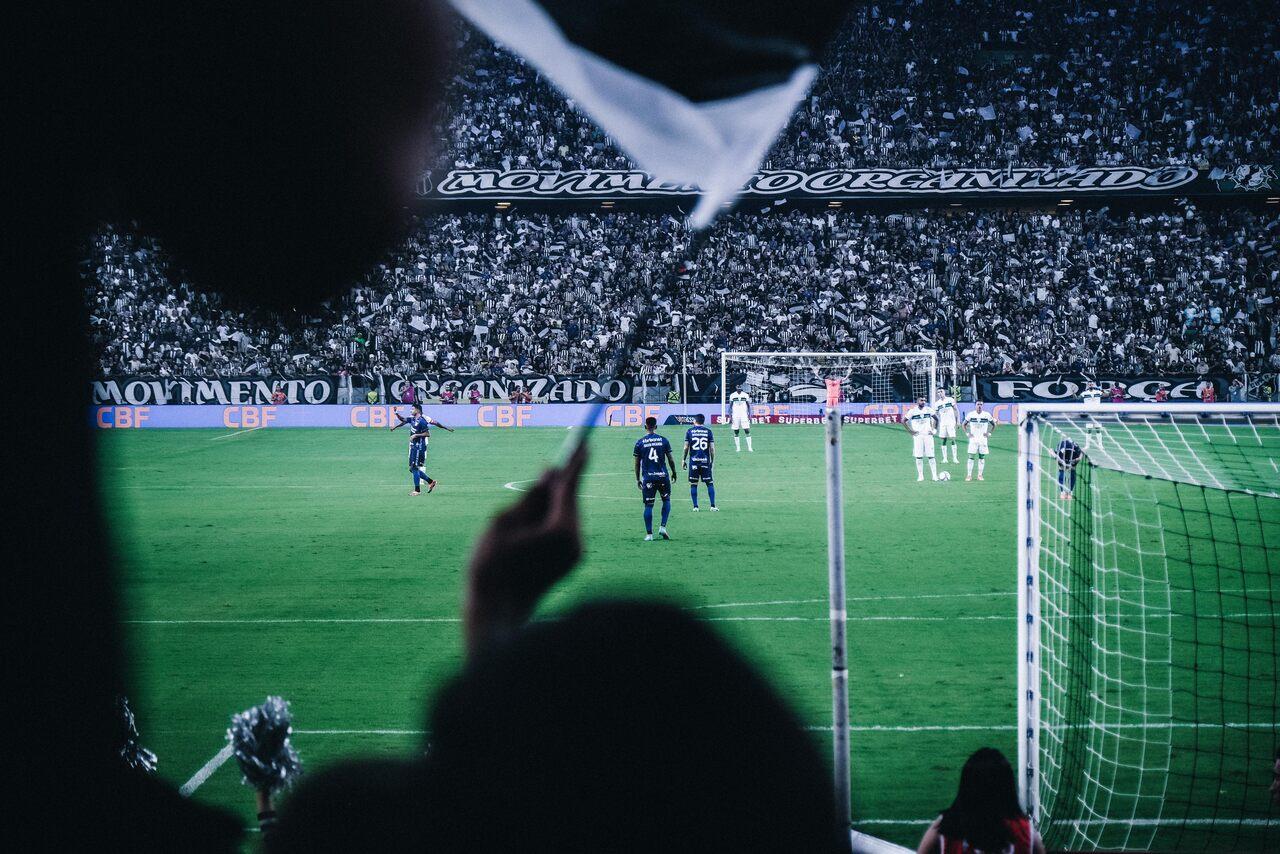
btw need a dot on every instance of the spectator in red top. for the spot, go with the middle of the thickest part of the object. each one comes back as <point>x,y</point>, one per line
<point>278,396</point>
<point>448,396</point>
<point>474,395</point>
<point>409,395</point>
<point>1206,392</point>
<point>1162,395</point>
<point>985,815</point>
<point>1117,393</point>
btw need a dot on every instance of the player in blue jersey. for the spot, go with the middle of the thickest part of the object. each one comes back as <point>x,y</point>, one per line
<point>698,457</point>
<point>1069,456</point>
<point>653,455</point>
<point>420,432</point>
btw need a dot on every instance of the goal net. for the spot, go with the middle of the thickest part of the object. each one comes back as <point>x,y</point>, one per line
<point>1149,630</point>
<point>804,381</point>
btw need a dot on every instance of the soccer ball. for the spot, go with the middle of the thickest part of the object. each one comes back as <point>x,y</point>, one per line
<point>944,475</point>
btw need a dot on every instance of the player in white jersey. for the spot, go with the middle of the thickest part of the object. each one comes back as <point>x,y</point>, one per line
<point>978,426</point>
<point>948,412</point>
<point>740,417</point>
<point>1092,396</point>
<point>921,423</point>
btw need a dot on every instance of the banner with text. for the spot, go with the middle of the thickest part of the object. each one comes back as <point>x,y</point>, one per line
<point>1065,388</point>
<point>426,388</point>
<point>244,418</point>
<point>777,184</point>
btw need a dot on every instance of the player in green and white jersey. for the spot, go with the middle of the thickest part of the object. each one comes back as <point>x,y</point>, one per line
<point>978,427</point>
<point>921,423</point>
<point>948,413</point>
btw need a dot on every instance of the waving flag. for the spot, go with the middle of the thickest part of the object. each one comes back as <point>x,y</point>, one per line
<point>694,91</point>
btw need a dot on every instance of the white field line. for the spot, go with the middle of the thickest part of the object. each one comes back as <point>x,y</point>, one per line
<point>271,621</point>
<point>236,433</point>
<point>886,728</point>
<point>912,596</point>
<point>197,779</point>
<point>868,618</point>
<point>851,599</point>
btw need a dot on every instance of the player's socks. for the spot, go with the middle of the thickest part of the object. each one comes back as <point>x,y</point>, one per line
<point>666,511</point>
<point>648,520</point>
<point>919,468</point>
<point>933,468</point>
<point>982,464</point>
<point>417,480</point>
<point>693,493</point>
<point>968,469</point>
<point>737,445</point>
<point>711,494</point>
<point>749,449</point>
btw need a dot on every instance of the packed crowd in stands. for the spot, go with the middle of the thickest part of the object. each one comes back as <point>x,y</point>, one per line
<point>944,83</point>
<point>1191,291</point>
<point>908,83</point>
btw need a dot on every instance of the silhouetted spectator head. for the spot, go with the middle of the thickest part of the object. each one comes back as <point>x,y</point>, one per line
<point>362,805</point>
<point>624,726</point>
<point>273,147</point>
<point>985,804</point>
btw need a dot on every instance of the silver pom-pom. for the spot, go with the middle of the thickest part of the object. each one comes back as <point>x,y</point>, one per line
<point>259,740</point>
<point>131,751</point>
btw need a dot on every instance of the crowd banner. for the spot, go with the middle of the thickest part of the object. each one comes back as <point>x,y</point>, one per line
<point>541,387</point>
<point>853,184</point>
<point>316,390</point>
<point>1064,388</point>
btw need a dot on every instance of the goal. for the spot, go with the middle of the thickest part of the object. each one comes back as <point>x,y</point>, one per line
<point>800,379</point>
<point>1149,625</point>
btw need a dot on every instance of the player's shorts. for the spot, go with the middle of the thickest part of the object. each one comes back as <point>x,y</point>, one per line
<point>417,454</point>
<point>740,421</point>
<point>946,429</point>
<point>653,485</point>
<point>978,445</point>
<point>700,472</point>
<point>923,445</point>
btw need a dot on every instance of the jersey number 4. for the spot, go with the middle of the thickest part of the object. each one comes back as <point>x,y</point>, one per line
<point>653,454</point>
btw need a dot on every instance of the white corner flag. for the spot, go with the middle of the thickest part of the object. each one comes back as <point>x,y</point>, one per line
<point>694,91</point>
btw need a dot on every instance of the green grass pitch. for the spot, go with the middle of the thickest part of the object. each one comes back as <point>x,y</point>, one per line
<point>294,562</point>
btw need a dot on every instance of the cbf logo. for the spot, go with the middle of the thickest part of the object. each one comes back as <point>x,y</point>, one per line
<point>1249,178</point>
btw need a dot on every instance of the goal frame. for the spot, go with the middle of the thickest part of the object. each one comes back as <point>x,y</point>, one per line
<point>726,355</point>
<point>1028,551</point>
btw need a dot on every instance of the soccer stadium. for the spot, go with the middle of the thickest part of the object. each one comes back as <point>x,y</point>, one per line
<point>541,425</point>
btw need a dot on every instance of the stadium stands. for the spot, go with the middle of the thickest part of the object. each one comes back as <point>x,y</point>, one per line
<point>943,83</point>
<point>1009,291</point>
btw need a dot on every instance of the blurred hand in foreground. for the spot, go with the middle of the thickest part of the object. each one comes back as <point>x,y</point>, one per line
<point>526,550</point>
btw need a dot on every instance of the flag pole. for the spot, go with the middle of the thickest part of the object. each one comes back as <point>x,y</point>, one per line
<point>835,585</point>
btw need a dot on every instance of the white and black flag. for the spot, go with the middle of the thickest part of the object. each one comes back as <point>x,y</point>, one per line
<point>694,91</point>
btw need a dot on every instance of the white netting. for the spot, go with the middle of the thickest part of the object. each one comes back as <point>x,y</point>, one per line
<point>800,379</point>
<point>1154,631</point>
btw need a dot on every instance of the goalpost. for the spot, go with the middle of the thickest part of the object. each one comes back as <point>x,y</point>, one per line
<point>1149,625</point>
<point>805,383</point>
<point>800,379</point>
